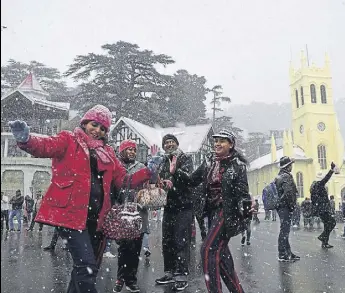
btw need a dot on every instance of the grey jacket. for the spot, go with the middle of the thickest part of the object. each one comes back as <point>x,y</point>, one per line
<point>130,194</point>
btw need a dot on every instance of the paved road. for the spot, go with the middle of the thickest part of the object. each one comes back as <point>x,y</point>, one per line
<point>26,268</point>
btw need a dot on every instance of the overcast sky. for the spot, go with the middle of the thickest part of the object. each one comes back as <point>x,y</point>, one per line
<point>244,45</point>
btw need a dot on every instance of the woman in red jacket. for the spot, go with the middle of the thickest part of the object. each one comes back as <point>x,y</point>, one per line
<point>78,199</point>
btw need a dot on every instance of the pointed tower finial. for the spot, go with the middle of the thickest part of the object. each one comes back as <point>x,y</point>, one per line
<point>273,149</point>
<point>303,60</point>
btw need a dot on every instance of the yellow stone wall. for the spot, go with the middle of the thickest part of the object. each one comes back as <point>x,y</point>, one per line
<point>308,134</point>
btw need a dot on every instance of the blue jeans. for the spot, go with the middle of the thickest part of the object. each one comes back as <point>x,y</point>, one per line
<point>18,215</point>
<point>285,217</point>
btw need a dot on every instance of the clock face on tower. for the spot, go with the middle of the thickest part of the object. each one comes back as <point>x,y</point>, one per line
<point>321,126</point>
<point>301,129</point>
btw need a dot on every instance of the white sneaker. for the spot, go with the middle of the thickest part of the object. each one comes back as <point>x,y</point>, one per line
<point>108,254</point>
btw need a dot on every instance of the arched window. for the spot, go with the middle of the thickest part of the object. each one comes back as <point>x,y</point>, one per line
<point>302,96</point>
<point>322,156</point>
<point>313,93</point>
<point>299,179</point>
<point>323,94</point>
<point>297,102</point>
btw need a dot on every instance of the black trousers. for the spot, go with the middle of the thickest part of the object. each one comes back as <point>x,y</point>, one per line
<point>86,248</point>
<point>128,260</point>
<point>4,217</point>
<point>328,225</point>
<point>33,222</point>
<point>285,216</point>
<point>177,231</point>
<point>217,259</point>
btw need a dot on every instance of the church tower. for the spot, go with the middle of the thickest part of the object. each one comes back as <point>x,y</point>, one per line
<point>315,125</point>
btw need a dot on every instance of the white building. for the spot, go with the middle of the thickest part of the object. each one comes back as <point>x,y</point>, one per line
<point>28,102</point>
<point>195,140</point>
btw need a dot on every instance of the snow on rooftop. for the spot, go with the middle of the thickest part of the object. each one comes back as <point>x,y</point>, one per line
<point>266,159</point>
<point>190,137</point>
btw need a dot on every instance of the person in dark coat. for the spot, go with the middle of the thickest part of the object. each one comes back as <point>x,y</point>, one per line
<point>307,212</point>
<point>224,179</point>
<point>177,217</point>
<point>37,206</point>
<point>287,192</point>
<point>129,250</point>
<point>78,198</point>
<point>322,207</point>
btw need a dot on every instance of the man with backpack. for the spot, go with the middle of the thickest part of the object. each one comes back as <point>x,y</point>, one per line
<point>287,193</point>
<point>322,207</point>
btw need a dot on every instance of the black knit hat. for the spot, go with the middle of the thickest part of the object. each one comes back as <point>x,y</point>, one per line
<point>169,136</point>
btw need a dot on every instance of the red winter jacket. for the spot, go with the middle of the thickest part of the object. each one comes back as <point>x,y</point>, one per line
<point>66,202</point>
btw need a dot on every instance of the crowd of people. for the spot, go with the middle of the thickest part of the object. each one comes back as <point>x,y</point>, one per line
<point>89,178</point>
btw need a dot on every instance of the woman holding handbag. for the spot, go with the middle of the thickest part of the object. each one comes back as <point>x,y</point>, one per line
<point>129,249</point>
<point>227,207</point>
<point>78,198</point>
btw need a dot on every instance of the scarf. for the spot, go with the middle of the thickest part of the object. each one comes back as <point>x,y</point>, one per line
<point>93,144</point>
<point>213,175</point>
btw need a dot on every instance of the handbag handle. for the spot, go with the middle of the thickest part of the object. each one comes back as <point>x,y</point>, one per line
<point>127,189</point>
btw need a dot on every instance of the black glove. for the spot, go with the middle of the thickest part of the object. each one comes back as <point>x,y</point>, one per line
<point>332,166</point>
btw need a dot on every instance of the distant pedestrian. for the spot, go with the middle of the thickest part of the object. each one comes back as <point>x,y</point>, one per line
<point>37,206</point>
<point>296,216</point>
<point>28,208</point>
<point>274,215</point>
<point>307,212</point>
<point>17,208</point>
<point>4,210</point>
<point>256,212</point>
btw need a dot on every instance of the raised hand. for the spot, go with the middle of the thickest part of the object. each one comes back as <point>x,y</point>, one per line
<point>332,166</point>
<point>20,130</point>
<point>173,164</point>
<point>154,150</point>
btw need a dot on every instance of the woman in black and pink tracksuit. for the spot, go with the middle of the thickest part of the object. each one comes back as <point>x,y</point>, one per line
<point>224,179</point>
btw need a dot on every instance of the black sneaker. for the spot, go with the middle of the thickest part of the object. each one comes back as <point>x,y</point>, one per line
<point>49,248</point>
<point>165,280</point>
<point>118,286</point>
<point>243,240</point>
<point>248,242</point>
<point>285,258</point>
<point>326,245</point>
<point>132,288</point>
<point>179,286</point>
<point>294,257</point>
